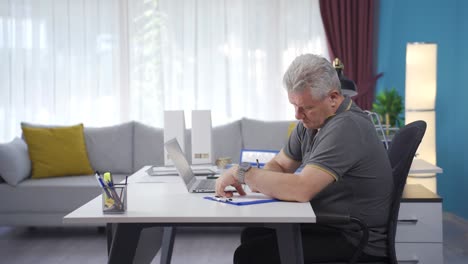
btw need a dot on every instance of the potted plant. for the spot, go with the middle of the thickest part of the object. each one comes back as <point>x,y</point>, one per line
<point>389,106</point>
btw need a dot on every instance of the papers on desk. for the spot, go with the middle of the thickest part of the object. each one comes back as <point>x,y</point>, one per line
<point>249,199</point>
<point>168,171</point>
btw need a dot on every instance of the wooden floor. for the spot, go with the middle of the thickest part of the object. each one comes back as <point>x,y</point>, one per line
<point>192,245</point>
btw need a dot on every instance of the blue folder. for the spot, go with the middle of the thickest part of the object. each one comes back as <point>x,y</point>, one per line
<point>239,202</point>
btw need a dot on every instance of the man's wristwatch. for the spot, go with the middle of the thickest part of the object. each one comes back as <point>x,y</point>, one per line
<point>241,170</point>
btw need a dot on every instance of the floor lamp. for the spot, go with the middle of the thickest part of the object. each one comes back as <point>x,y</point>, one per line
<point>420,95</point>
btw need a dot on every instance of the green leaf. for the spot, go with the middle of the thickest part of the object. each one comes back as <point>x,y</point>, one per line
<point>391,103</point>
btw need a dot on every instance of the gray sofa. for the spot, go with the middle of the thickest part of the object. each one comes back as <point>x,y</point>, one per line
<point>121,149</point>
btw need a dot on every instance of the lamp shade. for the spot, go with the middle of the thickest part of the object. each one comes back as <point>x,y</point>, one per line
<point>420,96</point>
<point>421,80</point>
<point>348,87</point>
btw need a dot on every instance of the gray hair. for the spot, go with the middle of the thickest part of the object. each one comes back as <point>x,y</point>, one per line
<point>313,72</point>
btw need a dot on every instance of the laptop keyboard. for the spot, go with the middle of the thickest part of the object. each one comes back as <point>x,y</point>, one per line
<point>206,185</point>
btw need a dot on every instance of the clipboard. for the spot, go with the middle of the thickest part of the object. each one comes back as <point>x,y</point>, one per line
<point>240,201</point>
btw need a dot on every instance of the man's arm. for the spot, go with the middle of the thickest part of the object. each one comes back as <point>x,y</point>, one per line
<point>281,185</point>
<point>287,186</point>
<point>282,163</point>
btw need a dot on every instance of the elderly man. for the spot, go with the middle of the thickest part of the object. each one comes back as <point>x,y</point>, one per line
<point>345,170</point>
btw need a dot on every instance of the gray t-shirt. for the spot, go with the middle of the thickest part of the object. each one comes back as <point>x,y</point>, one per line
<point>348,148</point>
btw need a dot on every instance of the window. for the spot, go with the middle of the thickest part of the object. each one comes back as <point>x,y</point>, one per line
<point>108,61</point>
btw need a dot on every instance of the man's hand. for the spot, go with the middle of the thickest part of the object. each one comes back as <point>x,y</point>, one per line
<point>228,178</point>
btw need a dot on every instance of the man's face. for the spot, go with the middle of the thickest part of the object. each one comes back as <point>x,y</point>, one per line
<point>312,112</point>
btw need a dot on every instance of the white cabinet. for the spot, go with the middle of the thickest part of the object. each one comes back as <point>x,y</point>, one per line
<point>419,230</point>
<point>419,253</point>
<point>419,222</point>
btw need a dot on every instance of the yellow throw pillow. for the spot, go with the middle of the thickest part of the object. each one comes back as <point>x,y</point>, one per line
<point>57,151</point>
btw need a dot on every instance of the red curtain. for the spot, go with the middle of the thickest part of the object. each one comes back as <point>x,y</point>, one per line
<point>349,26</point>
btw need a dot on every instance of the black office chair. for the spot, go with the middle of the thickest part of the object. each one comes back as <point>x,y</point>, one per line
<point>401,153</point>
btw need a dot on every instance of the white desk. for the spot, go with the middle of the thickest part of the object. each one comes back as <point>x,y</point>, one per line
<point>164,200</point>
<point>421,166</point>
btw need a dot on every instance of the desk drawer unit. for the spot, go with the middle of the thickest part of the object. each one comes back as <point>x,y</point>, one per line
<point>419,253</point>
<point>419,222</point>
<point>419,233</point>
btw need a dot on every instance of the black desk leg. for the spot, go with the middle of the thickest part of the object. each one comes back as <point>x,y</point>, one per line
<point>167,244</point>
<point>110,235</point>
<point>125,237</point>
<point>289,243</point>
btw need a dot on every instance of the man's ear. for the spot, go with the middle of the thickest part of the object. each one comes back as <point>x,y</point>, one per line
<point>334,95</point>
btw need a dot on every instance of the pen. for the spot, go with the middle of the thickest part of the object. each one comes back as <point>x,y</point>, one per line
<point>115,196</point>
<point>101,183</point>
<point>222,199</point>
<point>125,185</point>
<point>110,183</point>
<point>258,164</point>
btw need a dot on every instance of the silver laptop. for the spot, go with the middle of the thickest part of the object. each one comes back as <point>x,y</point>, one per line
<point>185,171</point>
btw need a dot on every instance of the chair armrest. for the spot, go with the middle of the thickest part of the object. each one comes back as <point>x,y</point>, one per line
<point>333,219</point>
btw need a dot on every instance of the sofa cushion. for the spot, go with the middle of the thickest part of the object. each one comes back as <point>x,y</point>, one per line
<point>227,141</point>
<point>148,146</point>
<point>57,151</point>
<point>265,135</point>
<point>15,165</point>
<point>111,148</point>
<point>50,195</point>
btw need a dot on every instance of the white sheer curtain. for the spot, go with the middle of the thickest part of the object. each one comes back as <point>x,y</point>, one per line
<point>59,63</point>
<point>101,62</point>
<point>230,56</point>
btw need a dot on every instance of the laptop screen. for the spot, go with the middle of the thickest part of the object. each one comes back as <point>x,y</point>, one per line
<point>180,162</point>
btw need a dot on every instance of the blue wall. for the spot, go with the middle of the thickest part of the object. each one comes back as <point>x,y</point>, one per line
<point>445,23</point>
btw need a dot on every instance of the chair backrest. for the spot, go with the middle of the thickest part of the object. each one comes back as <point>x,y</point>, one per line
<point>401,153</point>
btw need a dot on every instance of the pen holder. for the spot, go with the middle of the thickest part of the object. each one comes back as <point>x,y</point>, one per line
<point>114,199</point>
